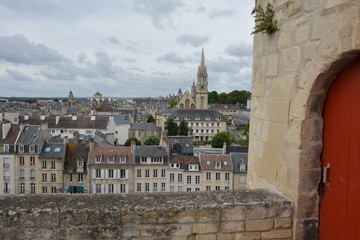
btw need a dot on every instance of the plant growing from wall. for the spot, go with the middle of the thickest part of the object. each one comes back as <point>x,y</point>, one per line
<point>264,20</point>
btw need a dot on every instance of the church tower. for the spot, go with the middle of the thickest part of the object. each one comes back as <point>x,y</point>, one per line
<point>202,85</point>
<point>70,98</point>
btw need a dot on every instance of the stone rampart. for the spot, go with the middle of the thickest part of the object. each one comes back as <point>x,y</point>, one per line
<point>240,214</point>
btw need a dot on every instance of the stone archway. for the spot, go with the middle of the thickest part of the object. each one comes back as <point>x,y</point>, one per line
<point>311,148</point>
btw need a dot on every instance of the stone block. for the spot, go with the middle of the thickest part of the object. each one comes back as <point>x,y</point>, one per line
<point>283,40</point>
<point>282,223</point>
<point>282,86</point>
<point>302,34</point>
<point>225,236</point>
<point>321,26</point>
<point>183,230</point>
<point>348,15</point>
<point>235,213</point>
<point>272,152</point>
<point>235,226</point>
<point>346,35</point>
<point>247,236</point>
<point>208,215</point>
<point>131,232</point>
<point>159,230</point>
<point>206,237</point>
<point>312,130</point>
<point>333,3</point>
<point>290,60</point>
<point>92,233</point>
<point>276,234</point>
<point>278,109</point>
<point>276,133</point>
<point>309,49</point>
<point>205,228</point>
<point>269,65</point>
<point>259,225</point>
<point>260,212</point>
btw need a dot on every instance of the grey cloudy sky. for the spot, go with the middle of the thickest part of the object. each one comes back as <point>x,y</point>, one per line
<point>122,48</point>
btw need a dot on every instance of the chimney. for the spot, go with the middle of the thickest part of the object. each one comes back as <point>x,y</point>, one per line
<point>91,144</point>
<point>57,118</point>
<point>66,140</point>
<point>92,118</point>
<point>133,146</point>
<point>76,136</point>
<point>26,117</point>
<point>224,148</point>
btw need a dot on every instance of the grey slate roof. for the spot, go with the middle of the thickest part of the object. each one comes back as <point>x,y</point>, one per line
<point>238,159</point>
<point>122,119</point>
<point>143,126</point>
<point>30,135</point>
<point>240,119</point>
<point>239,149</point>
<point>141,117</point>
<point>181,144</point>
<point>193,115</point>
<point>150,151</point>
<point>52,150</point>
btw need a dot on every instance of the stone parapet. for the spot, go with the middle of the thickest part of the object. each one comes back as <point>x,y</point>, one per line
<point>239,214</point>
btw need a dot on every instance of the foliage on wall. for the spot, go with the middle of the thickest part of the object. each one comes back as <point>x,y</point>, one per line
<point>264,20</point>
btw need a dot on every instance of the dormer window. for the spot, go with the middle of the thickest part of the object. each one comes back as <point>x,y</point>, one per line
<point>176,118</point>
<point>193,167</point>
<point>21,148</point>
<point>197,118</point>
<point>98,159</point>
<point>6,148</point>
<point>242,167</point>
<point>207,118</point>
<point>218,119</point>
<point>123,159</point>
<point>111,159</point>
<point>225,163</point>
<point>175,165</point>
<point>80,164</point>
<point>186,118</point>
<point>208,162</point>
<point>218,165</point>
<point>31,149</point>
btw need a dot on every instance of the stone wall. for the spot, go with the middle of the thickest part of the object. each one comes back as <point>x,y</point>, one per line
<point>292,71</point>
<point>240,214</point>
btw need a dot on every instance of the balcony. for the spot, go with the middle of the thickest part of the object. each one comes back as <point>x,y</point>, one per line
<point>238,214</point>
<point>6,165</point>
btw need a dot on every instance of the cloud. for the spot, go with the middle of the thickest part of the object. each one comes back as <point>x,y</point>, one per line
<point>192,39</point>
<point>159,11</point>
<point>222,13</point>
<point>229,66</point>
<point>130,60</point>
<point>17,49</point>
<point>81,58</point>
<point>172,57</point>
<point>240,50</point>
<point>18,75</point>
<point>113,40</point>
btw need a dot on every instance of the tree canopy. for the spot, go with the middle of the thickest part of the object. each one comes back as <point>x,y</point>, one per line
<point>171,127</point>
<point>221,137</point>
<point>183,128</point>
<point>152,140</point>
<point>233,97</point>
<point>150,119</point>
<point>128,141</point>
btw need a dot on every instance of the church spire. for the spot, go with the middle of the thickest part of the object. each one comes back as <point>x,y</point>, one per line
<point>202,62</point>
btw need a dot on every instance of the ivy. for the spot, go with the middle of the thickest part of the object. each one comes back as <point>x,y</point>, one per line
<point>265,20</point>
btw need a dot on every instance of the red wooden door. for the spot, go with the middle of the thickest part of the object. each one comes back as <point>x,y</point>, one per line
<point>340,200</point>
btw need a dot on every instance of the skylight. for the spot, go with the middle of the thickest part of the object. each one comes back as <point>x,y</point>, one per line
<point>47,149</point>
<point>57,149</point>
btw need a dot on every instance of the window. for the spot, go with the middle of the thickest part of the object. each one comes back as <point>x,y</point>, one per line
<point>6,163</point>
<point>226,187</point>
<point>57,149</point>
<point>218,165</point>
<point>208,188</point>
<point>208,162</point>
<point>171,188</point>
<point>175,165</point>
<point>156,159</point>
<point>123,173</point>
<point>217,176</point>
<point>111,188</point>
<point>197,179</point>
<point>21,148</point>
<point>43,164</point>
<point>143,159</point>
<point>197,189</point>
<point>217,187</point>
<point>122,188</point>
<point>163,173</point>
<point>80,164</point>
<point>53,190</point>
<point>147,187</point>
<point>110,173</point>
<point>188,189</point>
<point>188,179</point>
<point>53,177</point>
<point>98,159</point>
<point>138,187</point>
<point>138,173</point>
<point>111,159</point>
<point>31,149</point>
<point>163,187</point>
<point>32,161</point>
<point>22,188</point>
<point>123,159</point>
<point>22,174</point>
<point>147,172</point>
<point>53,164</point>
<point>32,174</point>
<point>6,148</point>
<point>21,161</point>
<point>172,177</point>
<point>225,163</point>
<point>44,189</point>
<point>208,176</point>
<point>98,188</point>
<point>32,188</point>
<point>227,177</point>
<point>242,167</point>
<point>180,189</point>
<point>6,175</point>
<point>44,177</point>
<point>155,187</point>
<point>180,177</point>
<point>80,177</point>
<point>193,167</point>
<point>70,177</point>
<point>155,173</point>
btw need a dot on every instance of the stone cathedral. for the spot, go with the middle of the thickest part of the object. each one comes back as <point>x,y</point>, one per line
<point>198,98</point>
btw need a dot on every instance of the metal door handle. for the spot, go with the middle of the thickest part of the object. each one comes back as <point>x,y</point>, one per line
<point>325,173</point>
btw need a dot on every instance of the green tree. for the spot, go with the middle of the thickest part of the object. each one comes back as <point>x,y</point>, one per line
<point>171,127</point>
<point>183,128</point>
<point>152,140</point>
<point>128,141</point>
<point>150,119</point>
<point>213,97</point>
<point>174,103</point>
<point>221,137</point>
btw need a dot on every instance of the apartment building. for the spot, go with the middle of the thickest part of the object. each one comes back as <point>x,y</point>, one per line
<point>240,161</point>
<point>151,167</point>
<point>142,131</point>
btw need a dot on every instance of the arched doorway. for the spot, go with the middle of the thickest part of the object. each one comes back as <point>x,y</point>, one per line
<point>340,184</point>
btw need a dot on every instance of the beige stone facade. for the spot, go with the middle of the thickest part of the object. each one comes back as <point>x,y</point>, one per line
<point>292,71</point>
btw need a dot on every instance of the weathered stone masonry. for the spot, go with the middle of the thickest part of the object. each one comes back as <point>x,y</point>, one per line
<point>241,214</point>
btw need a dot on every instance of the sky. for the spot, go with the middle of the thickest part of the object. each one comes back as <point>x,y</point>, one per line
<point>123,48</point>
